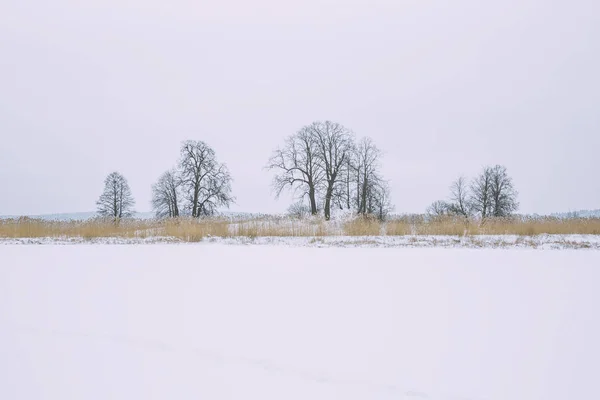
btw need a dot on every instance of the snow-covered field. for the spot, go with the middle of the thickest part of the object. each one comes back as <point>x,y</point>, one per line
<point>277,322</point>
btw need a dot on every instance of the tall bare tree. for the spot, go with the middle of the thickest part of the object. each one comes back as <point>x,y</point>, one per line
<point>379,199</point>
<point>116,200</point>
<point>368,181</point>
<point>205,183</point>
<point>481,193</point>
<point>361,186</point>
<point>298,167</point>
<point>502,192</point>
<point>334,145</point>
<point>165,195</point>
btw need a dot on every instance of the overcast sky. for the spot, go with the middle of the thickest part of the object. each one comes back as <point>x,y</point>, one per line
<point>443,87</point>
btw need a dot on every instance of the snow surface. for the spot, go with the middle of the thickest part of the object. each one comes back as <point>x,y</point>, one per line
<point>544,242</point>
<point>274,322</point>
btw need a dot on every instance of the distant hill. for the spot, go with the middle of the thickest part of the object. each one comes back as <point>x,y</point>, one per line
<point>578,214</point>
<point>80,216</point>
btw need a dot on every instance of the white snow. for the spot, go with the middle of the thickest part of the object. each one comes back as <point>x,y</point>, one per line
<point>558,242</point>
<point>274,322</point>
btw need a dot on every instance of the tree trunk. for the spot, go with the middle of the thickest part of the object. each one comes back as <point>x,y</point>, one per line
<point>357,191</point>
<point>328,195</point>
<point>348,185</point>
<point>175,205</point>
<point>364,196</point>
<point>328,206</point>
<point>313,201</point>
<point>115,209</point>
<point>195,203</point>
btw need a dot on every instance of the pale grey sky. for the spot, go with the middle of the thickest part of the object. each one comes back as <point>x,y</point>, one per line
<point>443,87</point>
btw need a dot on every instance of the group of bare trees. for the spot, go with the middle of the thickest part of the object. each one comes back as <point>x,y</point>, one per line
<point>196,187</point>
<point>324,165</point>
<point>491,194</point>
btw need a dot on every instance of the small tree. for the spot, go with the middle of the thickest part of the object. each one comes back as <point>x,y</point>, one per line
<point>438,208</point>
<point>299,210</point>
<point>165,195</point>
<point>116,200</point>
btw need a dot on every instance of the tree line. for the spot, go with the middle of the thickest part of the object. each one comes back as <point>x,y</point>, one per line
<point>323,164</point>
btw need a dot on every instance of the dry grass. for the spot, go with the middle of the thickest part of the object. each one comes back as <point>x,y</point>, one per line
<point>421,225</point>
<point>399,227</point>
<point>447,226</point>
<point>189,230</point>
<point>279,228</point>
<point>185,229</point>
<point>363,227</point>
<point>539,226</point>
<point>35,228</point>
<point>458,226</point>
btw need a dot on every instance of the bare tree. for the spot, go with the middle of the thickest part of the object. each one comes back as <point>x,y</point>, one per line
<point>165,195</point>
<point>347,190</point>
<point>481,193</point>
<point>361,186</point>
<point>334,145</point>
<point>368,180</point>
<point>298,167</point>
<point>116,200</point>
<point>493,193</point>
<point>380,203</point>
<point>460,203</point>
<point>205,183</point>
<point>438,208</point>
<point>502,192</point>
